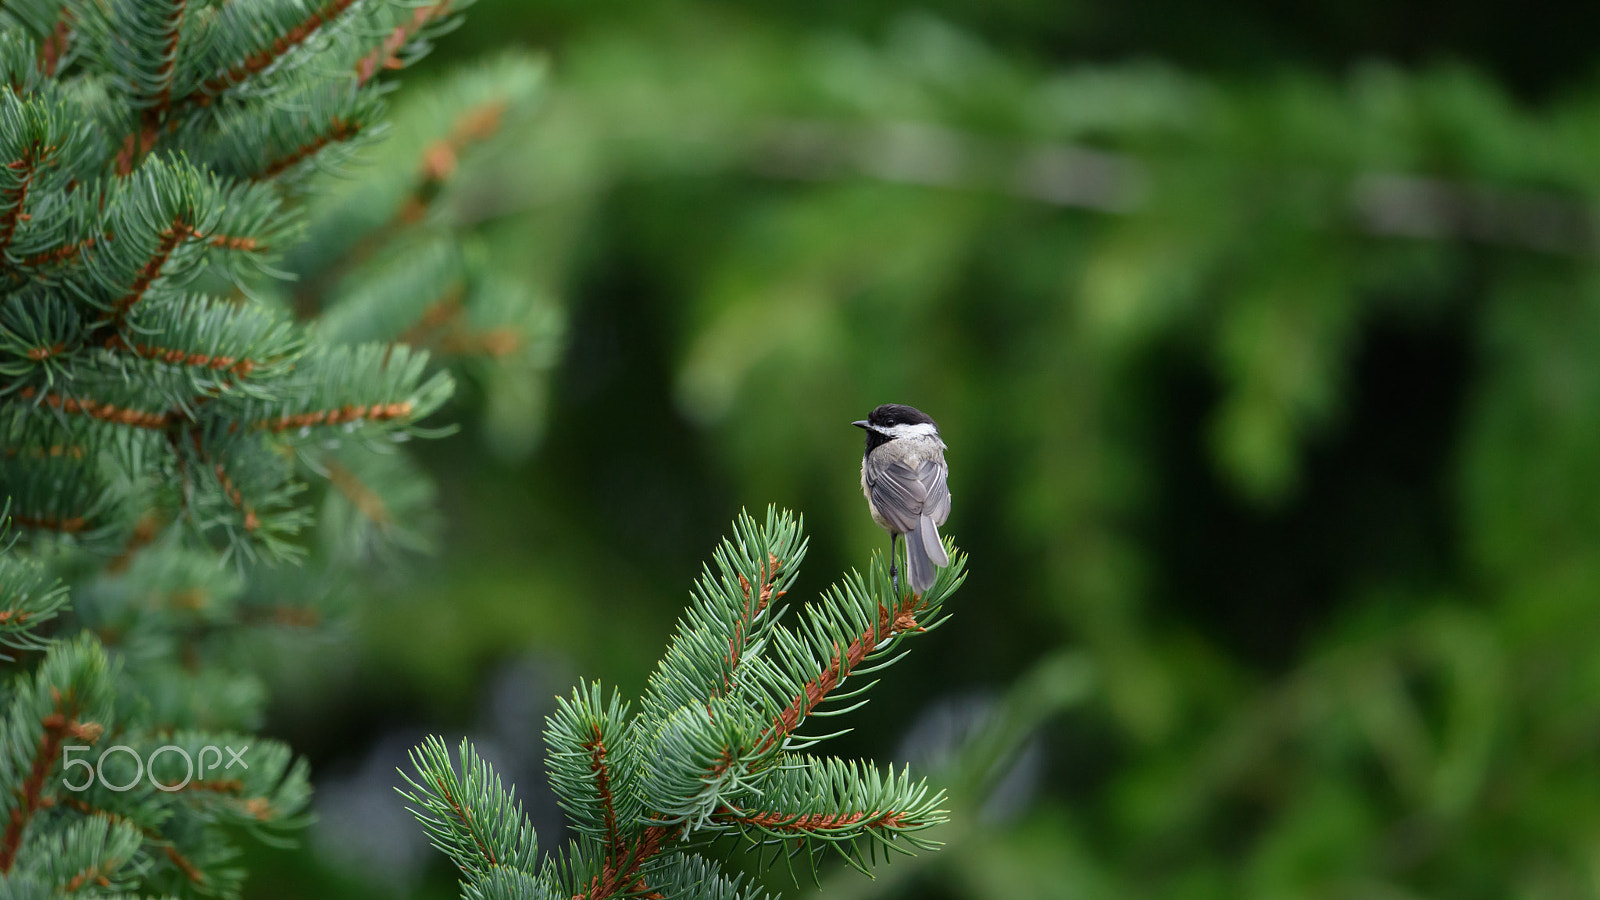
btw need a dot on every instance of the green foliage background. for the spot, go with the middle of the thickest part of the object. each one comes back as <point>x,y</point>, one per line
<point>1264,339</point>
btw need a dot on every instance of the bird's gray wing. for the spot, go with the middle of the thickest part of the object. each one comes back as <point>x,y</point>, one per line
<point>896,492</point>
<point>903,494</point>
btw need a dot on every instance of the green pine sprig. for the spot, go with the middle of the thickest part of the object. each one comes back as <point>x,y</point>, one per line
<point>713,750</point>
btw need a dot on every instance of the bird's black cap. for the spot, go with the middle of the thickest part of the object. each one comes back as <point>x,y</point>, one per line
<point>890,414</point>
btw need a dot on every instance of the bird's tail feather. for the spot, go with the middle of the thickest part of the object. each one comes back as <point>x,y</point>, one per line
<point>930,540</point>
<point>923,552</point>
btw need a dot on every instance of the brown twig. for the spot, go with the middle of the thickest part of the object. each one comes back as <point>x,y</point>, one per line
<point>60,254</point>
<point>808,823</point>
<point>622,872</point>
<point>57,725</point>
<point>755,603</point>
<point>339,131</point>
<point>236,497</point>
<point>229,489</point>
<point>151,270</point>
<point>232,242</point>
<point>90,875</point>
<point>437,316</point>
<point>239,367</point>
<point>102,411</point>
<point>356,491</point>
<point>900,619</point>
<point>135,146</point>
<point>144,531</point>
<point>14,198</point>
<point>55,46</point>
<point>466,819</point>
<point>70,525</point>
<point>39,354</point>
<point>377,412</point>
<point>602,779</point>
<point>266,56</point>
<point>384,55</point>
<point>169,59</point>
<point>494,343</point>
<point>185,865</point>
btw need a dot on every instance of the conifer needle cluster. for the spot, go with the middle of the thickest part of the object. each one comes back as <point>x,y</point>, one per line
<point>716,749</point>
<point>234,279</point>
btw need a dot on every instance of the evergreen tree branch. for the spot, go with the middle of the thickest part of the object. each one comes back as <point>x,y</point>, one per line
<point>891,622</point>
<point>90,856</point>
<point>727,618</point>
<point>56,727</point>
<point>157,25</point>
<point>468,815</point>
<point>338,131</point>
<point>620,873</point>
<point>711,751</point>
<point>69,525</point>
<point>177,357</point>
<point>53,49</point>
<point>159,427</point>
<point>29,597</point>
<point>69,697</point>
<point>266,56</point>
<point>593,765</point>
<point>837,802</point>
<point>387,54</point>
<point>14,197</point>
<point>176,232</point>
<point>60,254</point>
<point>95,409</point>
<point>359,493</point>
<point>135,147</point>
<point>437,317</point>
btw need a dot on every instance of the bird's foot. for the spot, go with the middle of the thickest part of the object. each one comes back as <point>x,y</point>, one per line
<point>894,579</point>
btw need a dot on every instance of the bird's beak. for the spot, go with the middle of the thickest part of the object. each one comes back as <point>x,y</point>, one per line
<point>861,424</point>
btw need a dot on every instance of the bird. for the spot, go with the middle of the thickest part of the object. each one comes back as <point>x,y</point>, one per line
<point>903,475</point>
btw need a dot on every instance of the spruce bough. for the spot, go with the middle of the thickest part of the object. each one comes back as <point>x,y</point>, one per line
<point>218,297</point>
<point>714,749</point>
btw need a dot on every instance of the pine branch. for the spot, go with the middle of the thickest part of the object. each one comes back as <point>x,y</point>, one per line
<point>338,131</point>
<point>29,596</point>
<point>592,767</point>
<point>89,856</point>
<point>370,384</point>
<point>157,24</point>
<point>468,815</point>
<point>95,409</point>
<point>219,345</point>
<point>57,43</point>
<point>14,197</point>
<point>144,148</point>
<point>711,752</point>
<point>176,232</point>
<point>56,727</point>
<point>726,618</point>
<point>841,803</point>
<point>891,622</point>
<point>69,697</point>
<point>278,19</point>
<point>387,55</point>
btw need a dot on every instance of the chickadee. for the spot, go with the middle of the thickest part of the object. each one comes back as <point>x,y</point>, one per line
<point>903,475</point>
